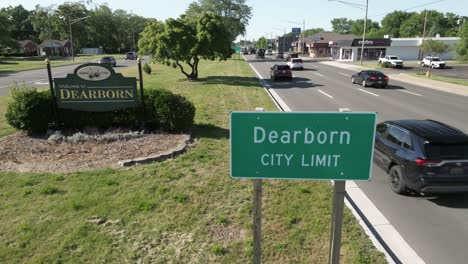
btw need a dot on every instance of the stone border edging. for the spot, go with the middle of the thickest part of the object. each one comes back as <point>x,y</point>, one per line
<point>171,153</point>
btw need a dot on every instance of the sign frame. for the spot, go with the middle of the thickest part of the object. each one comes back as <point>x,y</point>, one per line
<point>367,165</point>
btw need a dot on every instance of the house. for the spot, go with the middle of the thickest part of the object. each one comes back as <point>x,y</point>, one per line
<point>28,47</point>
<point>52,47</point>
<point>319,44</point>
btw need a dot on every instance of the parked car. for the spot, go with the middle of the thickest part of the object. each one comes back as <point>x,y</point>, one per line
<point>269,52</point>
<point>433,62</point>
<point>244,51</point>
<point>280,55</point>
<point>296,64</point>
<point>292,55</point>
<point>260,54</point>
<point>395,61</point>
<point>279,71</point>
<point>370,78</point>
<point>424,156</point>
<point>109,60</point>
<point>253,51</point>
<point>131,56</point>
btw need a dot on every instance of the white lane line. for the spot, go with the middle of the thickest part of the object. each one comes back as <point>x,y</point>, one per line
<point>344,74</point>
<point>325,94</point>
<point>344,109</point>
<point>410,92</point>
<point>318,74</point>
<point>368,92</point>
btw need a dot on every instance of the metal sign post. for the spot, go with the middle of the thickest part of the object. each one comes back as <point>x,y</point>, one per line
<point>140,76</point>
<point>257,217</point>
<point>52,93</point>
<point>337,221</point>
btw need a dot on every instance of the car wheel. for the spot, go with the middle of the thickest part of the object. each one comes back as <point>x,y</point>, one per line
<point>432,66</point>
<point>397,180</point>
<point>352,80</point>
<point>364,83</point>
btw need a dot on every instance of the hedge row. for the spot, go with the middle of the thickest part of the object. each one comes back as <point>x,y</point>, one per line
<point>30,110</point>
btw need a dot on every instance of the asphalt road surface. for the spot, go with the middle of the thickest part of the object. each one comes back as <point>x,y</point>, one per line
<point>436,227</point>
<point>455,71</point>
<point>38,78</point>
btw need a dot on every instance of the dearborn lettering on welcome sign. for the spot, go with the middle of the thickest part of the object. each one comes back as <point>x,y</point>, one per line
<point>95,87</point>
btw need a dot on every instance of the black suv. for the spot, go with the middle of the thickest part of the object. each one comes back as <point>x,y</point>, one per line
<point>260,54</point>
<point>424,156</point>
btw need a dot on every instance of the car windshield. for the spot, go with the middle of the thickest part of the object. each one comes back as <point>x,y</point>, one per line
<point>283,67</point>
<point>394,58</point>
<point>447,151</point>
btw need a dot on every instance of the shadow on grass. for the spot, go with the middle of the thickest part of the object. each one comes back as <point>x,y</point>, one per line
<point>210,131</point>
<point>230,80</point>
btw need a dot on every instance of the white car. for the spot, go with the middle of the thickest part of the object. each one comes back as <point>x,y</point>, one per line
<point>296,64</point>
<point>433,62</point>
<point>268,52</point>
<point>395,61</point>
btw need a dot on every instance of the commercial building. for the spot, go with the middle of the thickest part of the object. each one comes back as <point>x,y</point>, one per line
<point>409,48</point>
<point>319,44</point>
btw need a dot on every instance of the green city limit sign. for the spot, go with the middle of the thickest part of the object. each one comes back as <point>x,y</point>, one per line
<point>302,145</point>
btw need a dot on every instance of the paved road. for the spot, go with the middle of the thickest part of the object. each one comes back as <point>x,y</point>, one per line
<point>436,226</point>
<point>38,78</point>
<point>455,71</point>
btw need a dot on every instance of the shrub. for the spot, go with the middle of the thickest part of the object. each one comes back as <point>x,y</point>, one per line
<point>29,109</point>
<point>173,65</point>
<point>386,64</point>
<point>147,68</point>
<point>169,112</point>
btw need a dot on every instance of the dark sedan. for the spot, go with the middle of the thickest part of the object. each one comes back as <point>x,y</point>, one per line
<point>423,156</point>
<point>109,60</point>
<point>370,78</point>
<point>280,71</point>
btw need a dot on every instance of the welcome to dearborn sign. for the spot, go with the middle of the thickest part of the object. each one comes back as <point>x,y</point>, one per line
<point>295,145</point>
<point>95,87</point>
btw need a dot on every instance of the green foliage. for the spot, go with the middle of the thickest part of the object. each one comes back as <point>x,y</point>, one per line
<point>357,26</point>
<point>312,31</point>
<point>392,21</point>
<point>261,43</point>
<point>433,47</point>
<point>29,109</point>
<point>49,190</point>
<point>147,68</point>
<point>168,111</point>
<point>462,47</point>
<point>386,64</point>
<point>341,25</point>
<point>218,250</point>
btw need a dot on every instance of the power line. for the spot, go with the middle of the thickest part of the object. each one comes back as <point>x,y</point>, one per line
<point>426,4</point>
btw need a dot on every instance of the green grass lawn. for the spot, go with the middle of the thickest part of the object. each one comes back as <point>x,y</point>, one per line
<point>184,210</point>
<point>5,129</point>
<point>442,79</point>
<point>14,64</point>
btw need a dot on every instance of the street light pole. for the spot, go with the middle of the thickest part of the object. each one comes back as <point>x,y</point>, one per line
<point>364,33</point>
<point>71,22</point>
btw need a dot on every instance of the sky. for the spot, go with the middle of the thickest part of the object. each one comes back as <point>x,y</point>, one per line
<point>273,17</point>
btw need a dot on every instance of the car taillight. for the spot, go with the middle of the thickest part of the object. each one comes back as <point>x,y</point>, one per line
<point>373,78</point>
<point>426,162</point>
<point>386,77</point>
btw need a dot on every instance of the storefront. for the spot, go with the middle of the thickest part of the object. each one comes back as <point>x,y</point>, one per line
<point>350,49</point>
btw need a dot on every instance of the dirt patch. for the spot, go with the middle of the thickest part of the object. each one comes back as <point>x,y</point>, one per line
<point>21,153</point>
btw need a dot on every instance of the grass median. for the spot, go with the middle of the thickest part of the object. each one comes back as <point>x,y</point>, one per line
<point>184,210</point>
<point>441,78</point>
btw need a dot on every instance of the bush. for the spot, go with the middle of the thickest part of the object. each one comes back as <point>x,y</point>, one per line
<point>29,110</point>
<point>386,64</point>
<point>147,68</point>
<point>169,112</point>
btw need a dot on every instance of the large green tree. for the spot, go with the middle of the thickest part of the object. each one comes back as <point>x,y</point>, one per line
<point>392,21</point>
<point>5,38</point>
<point>234,13</point>
<point>19,24</point>
<point>462,47</point>
<point>357,26</point>
<point>185,41</point>
<point>261,43</point>
<point>341,25</point>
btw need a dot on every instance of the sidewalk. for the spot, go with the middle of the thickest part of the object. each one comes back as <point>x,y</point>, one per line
<point>401,77</point>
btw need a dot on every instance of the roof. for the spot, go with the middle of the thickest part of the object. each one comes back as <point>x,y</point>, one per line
<point>327,36</point>
<point>431,130</point>
<point>48,43</point>
<point>23,43</point>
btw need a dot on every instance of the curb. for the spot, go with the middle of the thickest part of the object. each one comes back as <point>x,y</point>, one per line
<point>172,153</point>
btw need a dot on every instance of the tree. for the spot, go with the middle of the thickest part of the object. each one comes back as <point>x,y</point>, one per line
<point>148,42</point>
<point>357,26</point>
<point>5,39</point>
<point>235,14</point>
<point>19,24</point>
<point>462,47</point>
<point>312,31</point>
<point>341,25</point>
<point>391,22</point>
<point>183,41</point>
<point>432,48</point>
<point>261,43</point>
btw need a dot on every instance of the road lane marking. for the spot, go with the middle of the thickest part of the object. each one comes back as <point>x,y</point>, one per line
<point>344,74</point>
<point>318,74</point>
<point>368,92</point>
<point>325,94</point>
<point>410,92</point>
<point>344,109</point>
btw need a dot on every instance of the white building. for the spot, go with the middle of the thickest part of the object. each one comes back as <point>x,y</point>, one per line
<point>408,48</point>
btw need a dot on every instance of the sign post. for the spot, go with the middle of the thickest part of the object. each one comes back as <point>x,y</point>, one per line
<point>302,145</point>
<point>257,217</point>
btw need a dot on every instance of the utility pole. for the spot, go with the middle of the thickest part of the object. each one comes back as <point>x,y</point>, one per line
<point>303,35</point>
<point>70,23</point>
<point>423,36</point>
<point>364,33</point>
<point>50,37</point>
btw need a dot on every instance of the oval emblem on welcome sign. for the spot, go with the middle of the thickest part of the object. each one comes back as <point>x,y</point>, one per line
<point>93,73</point>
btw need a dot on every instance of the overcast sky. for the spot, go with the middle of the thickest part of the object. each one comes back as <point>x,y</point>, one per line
<point>274,16</point>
